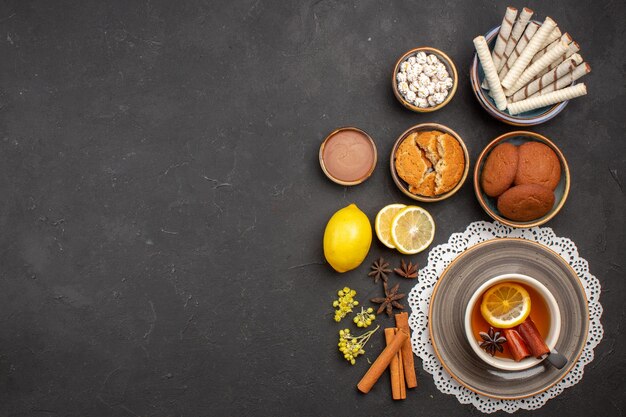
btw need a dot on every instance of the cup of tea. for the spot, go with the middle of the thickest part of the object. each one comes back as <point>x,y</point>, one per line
<point>545,318</point>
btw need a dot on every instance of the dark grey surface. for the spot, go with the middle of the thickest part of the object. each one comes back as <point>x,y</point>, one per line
<point>163,208</point>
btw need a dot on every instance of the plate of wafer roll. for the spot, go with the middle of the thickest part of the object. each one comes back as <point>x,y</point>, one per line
<point>525,71</point>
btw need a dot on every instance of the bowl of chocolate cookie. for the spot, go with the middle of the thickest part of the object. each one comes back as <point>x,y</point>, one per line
<point>521,179</point>
<point>429,162</point>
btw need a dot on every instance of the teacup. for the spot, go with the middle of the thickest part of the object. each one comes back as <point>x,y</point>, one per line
<point>553,332</point>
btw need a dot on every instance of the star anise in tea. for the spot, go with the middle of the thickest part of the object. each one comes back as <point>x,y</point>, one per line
<point>407,270</point>
<point>492,341</point>
<point>380,269</point>
<point>390,300</point>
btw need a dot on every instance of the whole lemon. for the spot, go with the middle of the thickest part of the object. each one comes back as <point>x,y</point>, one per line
<point>347,238</point>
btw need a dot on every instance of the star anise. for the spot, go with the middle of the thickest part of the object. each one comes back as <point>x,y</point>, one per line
<point>390,300</point>
<point>380,269</point>
<point>492,341</point>
<point>407,271</point>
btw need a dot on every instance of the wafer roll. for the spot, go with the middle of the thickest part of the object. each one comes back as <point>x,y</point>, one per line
<point>564,38</point>
<point>549,78</point>
<point>556,34</point>
<point>530,31</point>
<point>572,48</point>
<point>504,36</point>
<point>517,32</point>
<point>534,69</point>
<point>531,49</point>
<point>579,71</point>
<point>482,50</point>
<point>548,99</point>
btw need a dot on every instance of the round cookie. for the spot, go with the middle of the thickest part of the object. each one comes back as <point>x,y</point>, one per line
<point>538,164</point>
<point>500,169</point>
<point>525,202</point>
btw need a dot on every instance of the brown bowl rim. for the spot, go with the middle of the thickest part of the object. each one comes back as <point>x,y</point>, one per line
<point>478,190</point>
<point>337,180</point>
<point>413,107</point>
<point>400,183</point>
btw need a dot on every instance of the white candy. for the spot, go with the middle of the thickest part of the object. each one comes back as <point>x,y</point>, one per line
<point>440,67</point>
<point>418,68</point>
<point>410,96</point>
<point>431,101</point>
<point>404,66</point>
<point>401,76</point>
<point>403,87</point>
<point>421,102</point>
<point>414,87</point>
<point>411,60</point>
<point>429,70</point>
<point>448,82</point>
<point>439,98</point>
<point>442,75</point>
<point>432,59</point>
<point>444,92</point>
<point>423,92</point>
<point>431,88</point>
<point>420,57</point>
<point>411,76</point>
<point>423,79</point>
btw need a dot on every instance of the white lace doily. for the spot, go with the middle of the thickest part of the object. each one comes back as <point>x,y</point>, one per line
<point>441,256</point>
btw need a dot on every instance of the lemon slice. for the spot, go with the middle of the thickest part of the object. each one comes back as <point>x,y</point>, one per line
<point>382,224</point>
<point>412,230</point>
<point>505,305</point>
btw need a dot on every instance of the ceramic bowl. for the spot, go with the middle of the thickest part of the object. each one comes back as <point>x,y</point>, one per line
<point>551,339</point>
<point>489,204</point>
<point>403,186</point>
<point>323,164</point>
<point>445,59</point>
<point>529,118</point>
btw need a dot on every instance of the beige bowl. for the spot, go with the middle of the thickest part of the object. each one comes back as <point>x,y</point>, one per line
<point>403,186</point>
<point>445,59</point>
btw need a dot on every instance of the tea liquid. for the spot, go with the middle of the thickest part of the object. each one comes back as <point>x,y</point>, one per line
<point>538,312</point>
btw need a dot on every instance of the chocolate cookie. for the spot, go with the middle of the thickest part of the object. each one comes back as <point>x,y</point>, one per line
<point>499,169</point>
<point>526,202</point>
<point>538,164</point>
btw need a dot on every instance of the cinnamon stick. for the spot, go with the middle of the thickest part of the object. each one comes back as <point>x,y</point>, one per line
<point>398,389</point>
<point>382,362</point>
<point>402,323</point>
<point>533,338</point>
<point>516,344</point>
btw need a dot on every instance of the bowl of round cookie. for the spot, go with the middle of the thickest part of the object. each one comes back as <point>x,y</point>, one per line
<point>424,79</point>
<point>521,179</point>
<point>429,162</point>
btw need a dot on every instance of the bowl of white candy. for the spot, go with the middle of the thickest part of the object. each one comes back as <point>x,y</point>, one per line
<point>424,79</point>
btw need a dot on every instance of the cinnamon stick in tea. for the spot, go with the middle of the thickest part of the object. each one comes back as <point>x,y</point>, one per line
<point>516,344</point>
<point>382,362</point>
<point>398,389</point>
<point>402,323</point>
<point>533,338</point>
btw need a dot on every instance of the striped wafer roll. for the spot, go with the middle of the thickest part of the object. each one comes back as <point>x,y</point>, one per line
<point>517,32</point>
<point>531,49</point>
<point>548,99</point>
<point>534,69</point>
<point>530,31</point>
<point>556,34</point>
<point>482,50</point>
<point>572,48</point>
<point>580,71</point>
<point>504,36</point>
<point>549,78</point>
<point>564,38</point>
